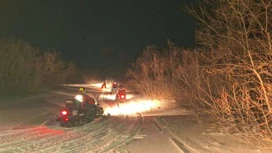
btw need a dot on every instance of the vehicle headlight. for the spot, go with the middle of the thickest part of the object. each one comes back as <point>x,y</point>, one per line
<point>79,98</point>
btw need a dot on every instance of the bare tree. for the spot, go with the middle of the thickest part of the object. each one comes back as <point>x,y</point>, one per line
<point>152,74</point>
<point>236,38</point>
<point>27,68</point>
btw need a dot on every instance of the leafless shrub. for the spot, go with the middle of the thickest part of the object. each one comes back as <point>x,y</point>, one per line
<point>235,64</point>
<point>152,74</point>
<point>26,68</point>
<point>229,77</point>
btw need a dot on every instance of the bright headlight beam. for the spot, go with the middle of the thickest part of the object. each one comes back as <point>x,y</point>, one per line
<point>79,98</point>
<point>132,107</point>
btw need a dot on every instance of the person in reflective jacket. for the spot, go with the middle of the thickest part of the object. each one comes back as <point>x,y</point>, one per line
<point>87,103</point>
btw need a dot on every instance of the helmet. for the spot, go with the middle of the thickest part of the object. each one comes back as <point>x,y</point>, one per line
<point>81,89</point>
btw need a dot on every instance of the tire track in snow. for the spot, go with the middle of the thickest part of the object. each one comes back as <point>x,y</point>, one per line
<point>125,137</point>
<point>72,144</point>
<point>20,139</point>
<point>103,138</point>
<point>114,134</point>
<point>18,143</point>
<point>91,140</point>
<point>71,135</point>
<point>10,133</point>
<point>33,142</point>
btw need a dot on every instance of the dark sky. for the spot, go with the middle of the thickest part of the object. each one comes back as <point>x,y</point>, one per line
<point>105,35</point>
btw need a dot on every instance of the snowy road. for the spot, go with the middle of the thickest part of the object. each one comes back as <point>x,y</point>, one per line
<point>120,133</point>
<point>154,139</point>
<point>29,126</point>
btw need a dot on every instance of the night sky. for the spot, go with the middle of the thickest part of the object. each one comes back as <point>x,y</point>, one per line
<point>103,35</point>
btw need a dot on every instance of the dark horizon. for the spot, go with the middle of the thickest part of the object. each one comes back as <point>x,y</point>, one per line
<point>105,36</point>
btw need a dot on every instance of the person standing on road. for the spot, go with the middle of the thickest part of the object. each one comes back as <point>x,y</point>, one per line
<point>103,85</point>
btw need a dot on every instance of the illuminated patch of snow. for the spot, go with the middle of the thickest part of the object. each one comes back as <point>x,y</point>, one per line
<point>132,107</point>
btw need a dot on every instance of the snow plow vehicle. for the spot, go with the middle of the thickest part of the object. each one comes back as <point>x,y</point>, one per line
<point>72,115</point>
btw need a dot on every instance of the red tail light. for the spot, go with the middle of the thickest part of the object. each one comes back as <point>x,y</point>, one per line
<point>64,112</point>
<point>65,119</point>
<point>122,96</point>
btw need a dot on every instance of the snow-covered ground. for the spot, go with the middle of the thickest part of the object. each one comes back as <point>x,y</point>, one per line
<point>29,126</point>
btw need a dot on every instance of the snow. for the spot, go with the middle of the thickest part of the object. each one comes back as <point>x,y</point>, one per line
<point>30,126</point>
<point>200,137</point>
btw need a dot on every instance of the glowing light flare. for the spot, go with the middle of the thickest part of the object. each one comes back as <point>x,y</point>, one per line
<point>129,96</point>
<point>109,85</point>
<point>64,112</point>
<point>130,108</point>
<point>97,85</point>
<point>79,98</point>
<point>113,96</point>
<point>106,90</point>
<point>113,111</point>
<point>109,96</point>
<point>45,129</point>
<point>66,119</point>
